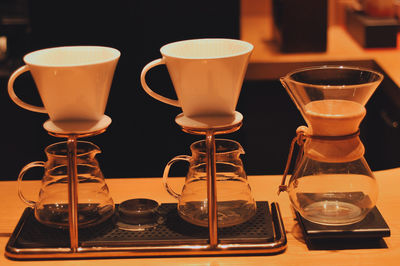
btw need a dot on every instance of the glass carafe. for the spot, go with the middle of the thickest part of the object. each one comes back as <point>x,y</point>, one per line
<point>94,202</point>
<point>235,203</point>
<point>332,183</point>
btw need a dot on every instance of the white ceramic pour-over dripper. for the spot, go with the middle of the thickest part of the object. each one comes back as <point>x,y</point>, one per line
<point>73,83</point>
<point>207,75</point>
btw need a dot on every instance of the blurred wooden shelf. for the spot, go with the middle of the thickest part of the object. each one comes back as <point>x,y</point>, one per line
<point>257,29</point>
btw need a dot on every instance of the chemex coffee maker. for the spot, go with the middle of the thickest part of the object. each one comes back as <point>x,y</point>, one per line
<point>75,216</point>
<point>332,189</point>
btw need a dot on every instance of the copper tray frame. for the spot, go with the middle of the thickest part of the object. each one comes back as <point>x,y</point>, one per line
<point>275,245</point>
<point>279,243</point>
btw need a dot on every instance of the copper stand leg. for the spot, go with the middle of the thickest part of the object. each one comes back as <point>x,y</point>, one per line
<point>212,189</point>
<point>72,192</point>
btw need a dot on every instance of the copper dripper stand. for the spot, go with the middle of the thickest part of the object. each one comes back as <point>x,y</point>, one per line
<point>211,126</point>
<point>223,244</point>
<point>72,131</point>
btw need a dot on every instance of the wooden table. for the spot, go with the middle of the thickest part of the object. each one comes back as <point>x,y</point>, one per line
<point>263,188</point>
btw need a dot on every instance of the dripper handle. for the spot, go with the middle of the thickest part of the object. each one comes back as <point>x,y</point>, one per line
<point>166,172</point>
<point>15,98</point>
<point>149,91</point>
<point>30,203</point>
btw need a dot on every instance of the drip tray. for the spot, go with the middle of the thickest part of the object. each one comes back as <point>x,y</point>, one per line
<point>264,233</point>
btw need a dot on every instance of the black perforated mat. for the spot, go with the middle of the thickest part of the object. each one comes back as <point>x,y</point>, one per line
<point>173,230</point>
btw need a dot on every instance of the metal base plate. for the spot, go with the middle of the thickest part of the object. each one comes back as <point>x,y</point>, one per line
<point>216,124</point>
<point>264,233</point>
<point>82,128</point>
<point>209,122</point>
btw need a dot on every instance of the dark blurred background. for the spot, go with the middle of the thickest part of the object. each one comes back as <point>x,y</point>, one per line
<point>143,136</point>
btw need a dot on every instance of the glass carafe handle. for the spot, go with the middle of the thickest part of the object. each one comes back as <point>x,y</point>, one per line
<point>166,172</point>
<point>21,175</point>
